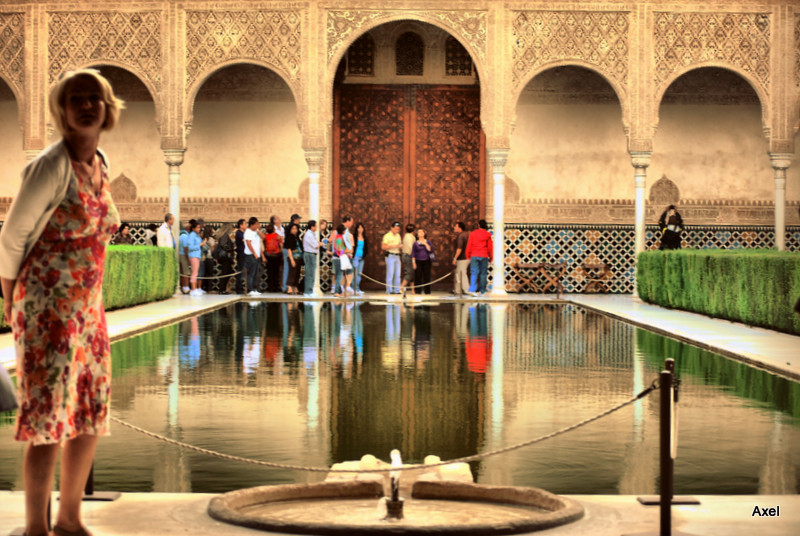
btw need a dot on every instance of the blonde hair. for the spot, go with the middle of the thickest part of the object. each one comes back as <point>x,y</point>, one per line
<point>114,105</point>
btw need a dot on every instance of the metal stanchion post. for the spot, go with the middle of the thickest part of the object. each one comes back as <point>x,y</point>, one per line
<point>667,437</point>
<point>89,494</point>
<point>665,449</point>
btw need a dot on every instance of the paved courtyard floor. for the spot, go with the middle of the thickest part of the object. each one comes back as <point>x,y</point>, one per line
<point>166,514</point>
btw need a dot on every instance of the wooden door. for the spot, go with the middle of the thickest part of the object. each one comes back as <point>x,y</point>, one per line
<point>411,154</point>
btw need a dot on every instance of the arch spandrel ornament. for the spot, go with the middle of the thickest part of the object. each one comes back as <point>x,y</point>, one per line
<point>12,51</point>
<point>270,37</point>
<point>597,38</point>
<point>131,40</point>
<point>736,41</point>
<point>343,27</point>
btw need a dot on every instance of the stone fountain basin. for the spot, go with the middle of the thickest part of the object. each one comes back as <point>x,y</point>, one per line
<point>354,508</point>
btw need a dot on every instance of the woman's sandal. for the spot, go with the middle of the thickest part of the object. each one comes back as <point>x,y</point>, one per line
<point>59,531</point>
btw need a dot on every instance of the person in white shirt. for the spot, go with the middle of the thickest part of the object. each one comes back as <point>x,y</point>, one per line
<point>310,254</point>
<point>164,238</point>
<point>253,255</point>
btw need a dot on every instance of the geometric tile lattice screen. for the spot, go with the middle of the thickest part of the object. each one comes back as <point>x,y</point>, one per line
<point>592,244</point>
<point>614,245</point>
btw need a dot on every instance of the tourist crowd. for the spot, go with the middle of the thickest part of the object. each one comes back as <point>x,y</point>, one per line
<point>284,258</point>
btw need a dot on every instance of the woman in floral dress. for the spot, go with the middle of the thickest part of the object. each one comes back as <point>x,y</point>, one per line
<point>52,252</point>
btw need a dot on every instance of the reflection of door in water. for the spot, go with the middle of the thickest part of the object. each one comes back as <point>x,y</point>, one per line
<point>411,154</point>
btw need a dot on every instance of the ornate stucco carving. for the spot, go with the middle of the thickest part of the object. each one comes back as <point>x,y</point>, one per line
<point>739,39</point>
<point>214,37</point>
<point>797,49</point>
<point>125,38</point>
<point>596,37</point>
<point>470,25</point>
<point>12,48</point>
<point>664,192</point>
<point>123,189</point>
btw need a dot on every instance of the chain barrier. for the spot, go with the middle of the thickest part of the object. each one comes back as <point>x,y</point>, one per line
<point>472,458</point>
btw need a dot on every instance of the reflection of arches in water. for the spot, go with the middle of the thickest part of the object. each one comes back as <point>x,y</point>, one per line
<point>422,406</point>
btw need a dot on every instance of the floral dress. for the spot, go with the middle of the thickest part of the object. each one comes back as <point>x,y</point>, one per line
<point>63,351</point>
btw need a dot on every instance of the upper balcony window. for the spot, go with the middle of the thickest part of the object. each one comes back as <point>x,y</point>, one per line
<point>409,55</point>
<point>361,57</point>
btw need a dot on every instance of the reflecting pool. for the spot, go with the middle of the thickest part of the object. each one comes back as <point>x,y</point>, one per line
<point>314,384</point>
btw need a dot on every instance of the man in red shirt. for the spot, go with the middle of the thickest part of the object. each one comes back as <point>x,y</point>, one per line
<point>479,252</point>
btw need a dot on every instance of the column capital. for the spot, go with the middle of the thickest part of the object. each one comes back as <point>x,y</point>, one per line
<point>314,158</point>
<point>173,157</point>
<point>781,161</point>
<point>498,158</point>
<point>640,159</point>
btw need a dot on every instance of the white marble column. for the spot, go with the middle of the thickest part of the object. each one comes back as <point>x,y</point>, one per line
<point>780,162</point>
<point>314,159</point>
<point>174,160</point>
<point>498,159</point>
<point>640,161</point>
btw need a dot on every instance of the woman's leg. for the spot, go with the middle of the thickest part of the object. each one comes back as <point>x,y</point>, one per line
<point>76,462</point>
<point>38,471</point>
<point>426,276</point>
<point>195,264</point>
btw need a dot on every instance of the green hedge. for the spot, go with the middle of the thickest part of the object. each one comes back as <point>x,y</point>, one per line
<point>138,274</point>
<point>755,286</point>
<point>135,274</point>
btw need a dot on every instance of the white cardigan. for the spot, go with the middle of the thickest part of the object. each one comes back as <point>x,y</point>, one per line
<point>44,184</point>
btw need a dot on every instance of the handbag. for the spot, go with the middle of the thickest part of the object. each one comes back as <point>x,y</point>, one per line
<point>344,263</point>
<point>8,395</point>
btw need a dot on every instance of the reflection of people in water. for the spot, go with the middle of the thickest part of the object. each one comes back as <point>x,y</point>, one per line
<point>478,343</point>
<point>671,225</point>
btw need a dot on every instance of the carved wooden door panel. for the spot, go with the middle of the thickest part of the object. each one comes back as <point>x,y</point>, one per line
<point>411,154</point>
<point>448,167</point>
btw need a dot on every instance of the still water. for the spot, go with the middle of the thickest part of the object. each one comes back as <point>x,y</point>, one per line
<point>314,384</point>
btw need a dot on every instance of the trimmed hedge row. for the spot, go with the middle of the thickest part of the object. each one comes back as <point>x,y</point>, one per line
<point>134,275</point>
<point>757,286</point>
<point>138,274</point>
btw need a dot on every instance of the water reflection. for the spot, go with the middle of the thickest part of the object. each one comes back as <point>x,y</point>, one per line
<point>317,383</point>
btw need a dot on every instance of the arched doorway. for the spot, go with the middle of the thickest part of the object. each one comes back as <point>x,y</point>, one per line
<point>244,145</point>
<point>710,142</point>
<point>407,139</point>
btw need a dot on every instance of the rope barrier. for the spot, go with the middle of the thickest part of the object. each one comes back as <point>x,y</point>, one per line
<point>445,276</point>
<point>213,277</point>
<point>474,457</point>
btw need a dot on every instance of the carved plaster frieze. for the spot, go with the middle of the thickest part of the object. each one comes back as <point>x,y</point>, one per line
<point>12,48</point>
<point>739,39</point>
<point>125,38</point>
<point>623,211</point>
<point>217,36</point>
<point>470,25</point>
<point>797,50</point>
<point>596,37</point>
